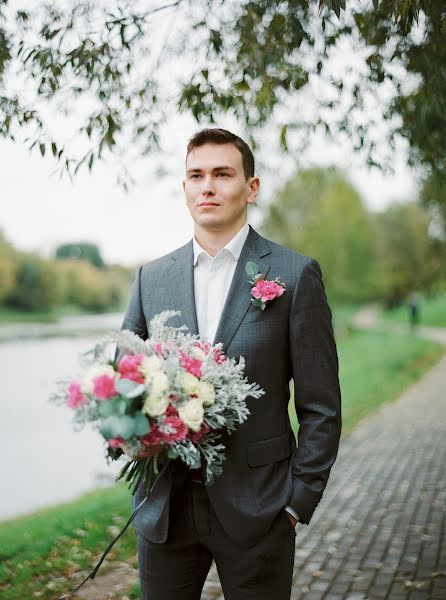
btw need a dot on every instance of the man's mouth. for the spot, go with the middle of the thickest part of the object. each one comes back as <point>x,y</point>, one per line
<point>208,204</point>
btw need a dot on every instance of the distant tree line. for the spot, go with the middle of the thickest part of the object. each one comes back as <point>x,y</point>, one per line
<point>364,255</point>
<point>76,276</point>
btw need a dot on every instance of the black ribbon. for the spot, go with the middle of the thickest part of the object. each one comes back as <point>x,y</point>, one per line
<point>92,575</point>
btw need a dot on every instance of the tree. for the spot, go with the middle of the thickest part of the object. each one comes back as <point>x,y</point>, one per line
<point>86,286</point>
<point>412,258</point>
<point>38,285</point>
<point>8,267</point>
<point>319,213</point>
<point>249,58</point>
<point>81,251</point>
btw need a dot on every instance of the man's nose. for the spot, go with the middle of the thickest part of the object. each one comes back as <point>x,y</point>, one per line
<point>208,188</point>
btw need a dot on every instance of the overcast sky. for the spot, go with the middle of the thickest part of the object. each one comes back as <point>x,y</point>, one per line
<point>39,211</point>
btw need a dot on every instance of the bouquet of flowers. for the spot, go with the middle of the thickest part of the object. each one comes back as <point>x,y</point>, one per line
<point>172,390</point>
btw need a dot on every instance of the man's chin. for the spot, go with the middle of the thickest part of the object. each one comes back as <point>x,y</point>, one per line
<point>211,224</point>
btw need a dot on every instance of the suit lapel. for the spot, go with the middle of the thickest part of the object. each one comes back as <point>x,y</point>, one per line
<point>182,282</point>
<point>239,295</point>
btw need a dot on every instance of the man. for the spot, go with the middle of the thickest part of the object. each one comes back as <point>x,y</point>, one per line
<point>246,520</point>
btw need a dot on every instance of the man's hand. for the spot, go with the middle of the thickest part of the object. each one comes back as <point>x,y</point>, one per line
<point>291,518</point>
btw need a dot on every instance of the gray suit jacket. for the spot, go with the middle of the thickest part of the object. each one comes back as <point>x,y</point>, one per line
<point>292,338</point>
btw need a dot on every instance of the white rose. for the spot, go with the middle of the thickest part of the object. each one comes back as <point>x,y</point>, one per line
<point>96,371</point>
<point>159,383</point>
<point>155,405</point>
<point>191,413</point>
<point>150,365</point>
<point>206,393</point>
<point>197,352</point>
<point>188,382</point>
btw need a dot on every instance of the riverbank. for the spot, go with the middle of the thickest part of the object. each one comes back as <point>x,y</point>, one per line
<point>69,325</point>
<point>46,553</point>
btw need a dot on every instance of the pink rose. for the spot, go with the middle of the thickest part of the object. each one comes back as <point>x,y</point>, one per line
<point>267,290</point>
<point>104,387</point>
<point>128,367</point>
<point>75,396</point>
<point>192,365</point>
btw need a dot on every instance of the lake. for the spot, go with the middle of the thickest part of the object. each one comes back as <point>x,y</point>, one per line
<point>44,460</point>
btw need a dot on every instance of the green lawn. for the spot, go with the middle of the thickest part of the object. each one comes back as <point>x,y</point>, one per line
<point>432,312</point>
<point>40,554</point>
<point>341,318</point>
<point>376,368</point>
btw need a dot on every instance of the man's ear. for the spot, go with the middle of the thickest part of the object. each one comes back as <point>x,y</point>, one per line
<point>254,185</point>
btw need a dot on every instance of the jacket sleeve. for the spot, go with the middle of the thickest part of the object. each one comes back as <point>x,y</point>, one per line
<point>317,394</point>
<point>134,317</point>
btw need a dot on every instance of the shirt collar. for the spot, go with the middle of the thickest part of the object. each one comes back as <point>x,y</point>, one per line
<point>234,246</point>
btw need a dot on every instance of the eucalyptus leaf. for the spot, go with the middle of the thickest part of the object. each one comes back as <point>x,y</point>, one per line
<point>118,426</point>
<point>129,388</point>
<point>107,408</point>
<point>141,424</point>
<point>121,407</point>
<point>125,426</point>
<point>251,268</point>
<point>107,430</point>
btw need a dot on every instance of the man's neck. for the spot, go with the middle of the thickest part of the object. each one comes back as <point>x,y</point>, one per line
<point>214,241</point>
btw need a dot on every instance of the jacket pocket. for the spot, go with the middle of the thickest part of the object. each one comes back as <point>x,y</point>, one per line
<point>269,451</point>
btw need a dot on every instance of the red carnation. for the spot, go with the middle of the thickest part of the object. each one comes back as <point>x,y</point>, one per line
<point>192,365</point>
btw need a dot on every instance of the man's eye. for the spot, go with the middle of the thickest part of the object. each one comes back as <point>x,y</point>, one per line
<point>195,176</point>
<point>224,174</point>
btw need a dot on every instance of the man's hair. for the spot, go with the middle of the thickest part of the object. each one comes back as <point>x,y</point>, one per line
<point>223,136</point>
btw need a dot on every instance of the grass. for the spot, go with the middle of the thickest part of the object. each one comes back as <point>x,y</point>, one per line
<point>375,368</point>
<point>341,317</point>
<point>432,312</point>
<point>41,555</point>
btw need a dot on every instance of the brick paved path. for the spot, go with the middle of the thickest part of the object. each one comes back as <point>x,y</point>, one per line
<point>379,531</point>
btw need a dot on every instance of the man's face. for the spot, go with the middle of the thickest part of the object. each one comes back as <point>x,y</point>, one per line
<point>217,193</point>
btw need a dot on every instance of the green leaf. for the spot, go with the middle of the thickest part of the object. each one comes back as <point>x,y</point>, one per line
<point>283,137</point>
<point>107,430</point>
<point>107,408</point>
<point>122,426</point>
<point>141,424</point>
<point>251,269</point>
<point>258,303</point>
<point>129,388</point>
<point>121,406</point>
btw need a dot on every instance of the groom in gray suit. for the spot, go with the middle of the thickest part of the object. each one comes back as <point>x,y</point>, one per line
<point>246,521</point>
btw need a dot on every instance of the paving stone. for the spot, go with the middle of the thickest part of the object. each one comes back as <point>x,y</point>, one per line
<point>380,527</point>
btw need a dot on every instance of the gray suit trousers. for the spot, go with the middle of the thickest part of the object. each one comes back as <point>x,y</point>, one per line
<point>177,568</point>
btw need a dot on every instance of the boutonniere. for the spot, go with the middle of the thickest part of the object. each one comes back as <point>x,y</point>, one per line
<point>263,291</point>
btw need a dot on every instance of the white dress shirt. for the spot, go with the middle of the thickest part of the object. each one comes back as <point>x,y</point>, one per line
<point>212,280</point>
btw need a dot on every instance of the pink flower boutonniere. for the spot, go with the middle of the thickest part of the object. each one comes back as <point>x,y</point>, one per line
<point>263,291</point>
